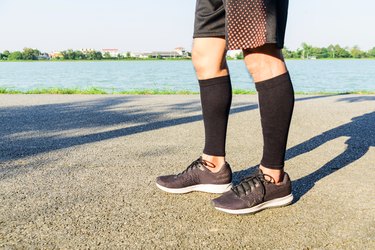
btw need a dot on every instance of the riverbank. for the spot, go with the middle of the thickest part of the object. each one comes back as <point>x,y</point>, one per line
<point>178,59</point>
<point>99,91</point>
<point>175,77</point>
<point>78,171</point>
<point>103,60</point>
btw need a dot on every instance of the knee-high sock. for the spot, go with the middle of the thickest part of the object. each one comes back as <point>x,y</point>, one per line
<point>216,99</point>
<point>276,103</point>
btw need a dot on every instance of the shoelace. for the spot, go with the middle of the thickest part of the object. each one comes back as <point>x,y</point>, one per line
<point>195,164</point>
<point>249,184</point>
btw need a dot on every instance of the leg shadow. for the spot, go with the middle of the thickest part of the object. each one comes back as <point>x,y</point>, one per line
<point>361,135</point>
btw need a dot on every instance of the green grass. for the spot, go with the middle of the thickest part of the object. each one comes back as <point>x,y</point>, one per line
<point>96,91</point>
<point>102,60</point>
<point>99,91</point>
<point>157,92</point>
<point>64,91</point>
<point>359,92</point>
<point>9,91</point>
<point>165,59</point>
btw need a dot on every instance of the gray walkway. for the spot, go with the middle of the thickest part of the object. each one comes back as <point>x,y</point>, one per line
<point>78,172</point>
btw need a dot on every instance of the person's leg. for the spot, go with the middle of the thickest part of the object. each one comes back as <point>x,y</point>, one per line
<point>269,186</point>
<point>210,172</point>
<point>209,60</point>
<point>276,102</point>
<point>258,28</point>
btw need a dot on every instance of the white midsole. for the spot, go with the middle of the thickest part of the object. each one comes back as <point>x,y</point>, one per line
<point>208,188</point>
<point>279,202</point>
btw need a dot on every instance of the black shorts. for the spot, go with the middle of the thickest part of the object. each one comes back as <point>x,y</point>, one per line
<point>244,23</point>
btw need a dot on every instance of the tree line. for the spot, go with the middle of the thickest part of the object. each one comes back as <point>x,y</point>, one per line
<point>91,55</point>
<point>26,54</point>
<point>35,54</point>
<point>332,51</point>
<point>306,51</point>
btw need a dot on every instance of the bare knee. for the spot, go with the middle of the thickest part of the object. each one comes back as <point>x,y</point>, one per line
<point>264,63</point>
<point>208,57</point>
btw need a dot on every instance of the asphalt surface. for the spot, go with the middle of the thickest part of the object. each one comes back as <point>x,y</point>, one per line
<point>78,172</point>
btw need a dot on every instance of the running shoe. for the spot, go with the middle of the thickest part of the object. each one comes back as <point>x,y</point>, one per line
<point>197,177</point>
<point>255,193</point>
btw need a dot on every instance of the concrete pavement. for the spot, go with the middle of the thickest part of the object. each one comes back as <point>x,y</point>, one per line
<point>78,171</point>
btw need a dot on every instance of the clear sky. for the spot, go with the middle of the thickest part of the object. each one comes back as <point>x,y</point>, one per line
<point>146,25</point>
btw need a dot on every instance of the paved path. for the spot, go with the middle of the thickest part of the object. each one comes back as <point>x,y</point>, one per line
<point>78,172</point>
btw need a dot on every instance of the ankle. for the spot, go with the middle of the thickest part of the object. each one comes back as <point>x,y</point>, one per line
<point>276,174</point>
<point>216,162</point>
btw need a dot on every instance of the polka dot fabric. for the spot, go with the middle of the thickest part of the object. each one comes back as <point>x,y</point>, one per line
<point>245,24</point>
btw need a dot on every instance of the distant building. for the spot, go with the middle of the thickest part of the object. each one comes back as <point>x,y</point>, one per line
<point>164,54</point>
<point>111,52</point>
<point>56,55</point>
<point>44,56</point>
<point>138,54</point>
<point>176,53</point>
<point>182,51</point>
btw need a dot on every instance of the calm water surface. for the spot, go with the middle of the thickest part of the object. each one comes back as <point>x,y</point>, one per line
<point>307,75</point>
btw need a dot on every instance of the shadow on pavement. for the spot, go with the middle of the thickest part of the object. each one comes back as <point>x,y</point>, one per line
<point>27,131</point>
<point>18,122</point>
<point>361,135</point>
<point>358,99</point>
<point>31,130</point>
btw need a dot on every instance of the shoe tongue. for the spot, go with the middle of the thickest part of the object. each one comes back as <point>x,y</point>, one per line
<point>200,161</point>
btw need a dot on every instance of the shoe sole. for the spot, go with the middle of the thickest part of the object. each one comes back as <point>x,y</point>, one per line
<point>279,202</point>
<point>207,188</point>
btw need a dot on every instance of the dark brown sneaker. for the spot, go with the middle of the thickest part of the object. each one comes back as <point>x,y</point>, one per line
<point>255,193</point>
<point>197,177</point>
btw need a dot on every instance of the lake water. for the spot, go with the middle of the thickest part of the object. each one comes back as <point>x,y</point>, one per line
<point>307,75</point>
